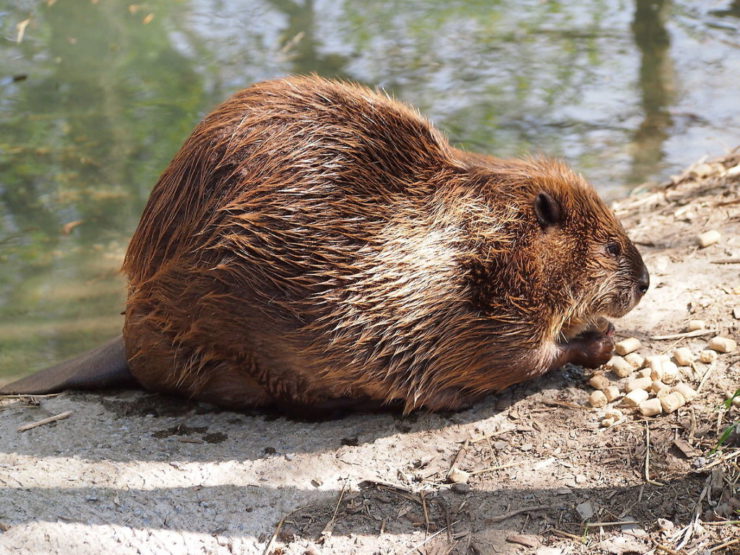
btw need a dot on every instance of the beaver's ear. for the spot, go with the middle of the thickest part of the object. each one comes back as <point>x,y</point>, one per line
<point>547,210</point>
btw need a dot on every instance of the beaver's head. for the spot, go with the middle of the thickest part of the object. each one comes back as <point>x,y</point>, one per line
<point>551,251</point>
<point>606,274</point>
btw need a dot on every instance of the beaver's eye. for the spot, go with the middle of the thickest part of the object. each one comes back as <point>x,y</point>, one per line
<point>613,249</point>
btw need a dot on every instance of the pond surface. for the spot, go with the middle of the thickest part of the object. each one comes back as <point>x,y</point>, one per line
<point>96,97</point>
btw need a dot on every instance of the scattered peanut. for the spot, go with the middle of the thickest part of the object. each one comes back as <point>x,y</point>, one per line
<point>659,388</point>
<point>709,238</point>
<point>620,367</point>
<point>651,407</point>
<point>656,367</point>
<point>597,399</point>
<point>722,344</point>
<point>683,356</point>
<point>457,476</point>
<point>635,397</point>
<point>635,359</point>
<point>599,381</point>
<point>607,422</point>
<point>695,325</point>
<point>644,373</point>
<point>639,383</point>
<point>626,346</point>
<point>708,356</point>
<point>686,390</point>
<point>670,372</point>
<point>672,402</point>
<point>612,393</point>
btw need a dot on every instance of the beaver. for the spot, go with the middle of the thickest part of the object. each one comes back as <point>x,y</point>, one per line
<point>316,244</point>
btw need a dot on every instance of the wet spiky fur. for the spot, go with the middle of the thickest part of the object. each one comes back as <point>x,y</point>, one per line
<point>315,240</point>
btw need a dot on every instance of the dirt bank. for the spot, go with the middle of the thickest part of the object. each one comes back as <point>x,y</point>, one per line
<point>134,472</point>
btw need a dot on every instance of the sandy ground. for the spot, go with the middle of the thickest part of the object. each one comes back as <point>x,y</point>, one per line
<point>137,473</point>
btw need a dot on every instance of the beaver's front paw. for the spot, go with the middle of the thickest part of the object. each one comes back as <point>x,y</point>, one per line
<point>592,348</point>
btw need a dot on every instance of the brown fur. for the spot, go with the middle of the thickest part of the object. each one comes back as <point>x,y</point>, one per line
<point>315,241</point>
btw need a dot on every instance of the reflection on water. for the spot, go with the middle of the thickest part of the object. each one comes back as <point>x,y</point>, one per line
<point>95,98</point>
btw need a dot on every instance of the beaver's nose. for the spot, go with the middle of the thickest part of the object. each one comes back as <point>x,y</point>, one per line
<point>643,280</point>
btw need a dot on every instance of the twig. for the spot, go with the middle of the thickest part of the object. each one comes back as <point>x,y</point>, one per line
<point>418,545</point>
<point>647,456</point>
<point>722,459</point>
<point>684,535</point>
<point>330,525</point>
<point>617,523</point>
<point>666,549</point>
<point>557,532</point>
<point>489,436</point>
<point>499,467</point>
<point>695,333</point>
<point>723,523</point>
<point>518,511</point>
<point>726,261</point>
<point>564,404</point>
<point>424,507</point>
<point>460,451</point>
<point>706,375</point>
<point>723,545</point>
<point>55,418</point>
<point>29,395</point>
<point>274,535</point>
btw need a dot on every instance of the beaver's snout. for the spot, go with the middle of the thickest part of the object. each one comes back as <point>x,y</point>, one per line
<point>641,277</point>
<point>643,280</point>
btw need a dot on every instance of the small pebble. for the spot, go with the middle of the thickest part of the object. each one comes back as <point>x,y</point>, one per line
<point>683,356</point>
<point>670,372</point>
<point>634,398</point>
<point>612,393</point>
<point>651,407</point>
<point>460,488</point>
<point>736,401</point>
<point>709,238</point>
<point>672,402</point>
<point>639,383</point>
<point>457,476</point>
<point>736,313</point>
<point>607,422</point>
<point>722,344</point>
<point>695,325</point>
<point>597,399</point>
<point>585,510</point>
<point>635,359</point>
<point>626,346</point>
<point>599,381</point>
<point>620,367</point>
<point>708,356</point>
<point>686,390</point>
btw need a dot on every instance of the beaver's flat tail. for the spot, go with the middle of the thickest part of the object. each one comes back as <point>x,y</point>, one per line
<point>104,367</point>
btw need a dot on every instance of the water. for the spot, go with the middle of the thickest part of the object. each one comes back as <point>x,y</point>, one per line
<point>96,97</point>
